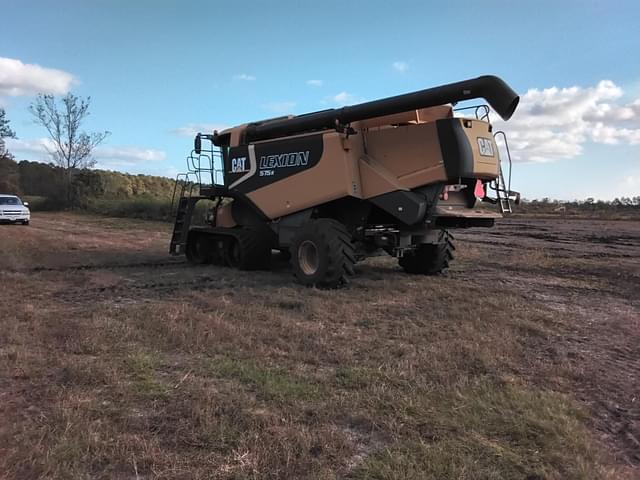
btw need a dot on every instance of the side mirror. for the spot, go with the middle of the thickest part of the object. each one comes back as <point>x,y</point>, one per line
<point>26,204</point>
<point>197,144</point>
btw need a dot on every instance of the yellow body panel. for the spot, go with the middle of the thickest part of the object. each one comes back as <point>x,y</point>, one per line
<point>380,157</point>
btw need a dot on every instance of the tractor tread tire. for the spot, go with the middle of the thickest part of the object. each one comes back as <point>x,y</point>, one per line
<point>336,253</point>
<point>255,249</point>
<point>252,244</point>
<point>430,259</point>
<point>193,252</point>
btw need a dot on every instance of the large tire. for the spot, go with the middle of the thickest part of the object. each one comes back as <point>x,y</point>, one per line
<point>250,249</point>
<point>322,254</point>
<point>430,258</point>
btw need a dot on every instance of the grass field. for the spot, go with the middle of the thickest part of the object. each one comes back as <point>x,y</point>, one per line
<point>118,361</point>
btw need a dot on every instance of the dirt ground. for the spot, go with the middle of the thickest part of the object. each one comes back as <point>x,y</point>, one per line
<point>119,361</point>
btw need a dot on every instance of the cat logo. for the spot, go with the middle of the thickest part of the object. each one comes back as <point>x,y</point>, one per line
<point>238,165</point>
<point>485,145</point>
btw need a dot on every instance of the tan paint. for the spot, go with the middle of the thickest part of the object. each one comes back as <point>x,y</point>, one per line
<point>395,152</point>
<point>335,176</point>
<point>483,167</point>
<point>410,153</point>
<point>422,115</point>
<point>376,179</point>
<point>224,217</point>
<point>463,212</point>
<point>236,134</point>
<point>434,113</point>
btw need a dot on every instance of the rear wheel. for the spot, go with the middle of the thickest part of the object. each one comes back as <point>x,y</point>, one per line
<point>430,258</point>
<point>322,253</point>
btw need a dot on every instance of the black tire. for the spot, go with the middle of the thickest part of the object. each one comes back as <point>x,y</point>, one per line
<point>199,249</point>
<point>25,222</point>
<point>250,249</point>
<point>430,258</point>
<point>322,254</point>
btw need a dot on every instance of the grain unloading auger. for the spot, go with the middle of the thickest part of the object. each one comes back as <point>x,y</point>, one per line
<point>332,187</point>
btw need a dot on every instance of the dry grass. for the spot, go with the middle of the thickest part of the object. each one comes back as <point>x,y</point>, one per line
<point>251,376</point>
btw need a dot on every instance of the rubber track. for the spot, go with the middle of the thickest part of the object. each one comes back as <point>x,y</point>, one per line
<point>255,243</point>
<point>256,247</point>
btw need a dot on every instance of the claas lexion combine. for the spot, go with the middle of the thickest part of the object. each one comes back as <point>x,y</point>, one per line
<point>333,187</point>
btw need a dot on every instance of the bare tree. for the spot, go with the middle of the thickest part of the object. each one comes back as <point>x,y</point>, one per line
<point>72,148</point>
<point>5,130</point>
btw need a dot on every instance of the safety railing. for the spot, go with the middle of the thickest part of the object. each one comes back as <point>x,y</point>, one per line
<point>204,169</point>
<point>481,112</point>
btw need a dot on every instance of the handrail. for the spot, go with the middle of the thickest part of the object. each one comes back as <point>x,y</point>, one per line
<point>483,106</point>
<point>201,168</point>
<point>506,144</point>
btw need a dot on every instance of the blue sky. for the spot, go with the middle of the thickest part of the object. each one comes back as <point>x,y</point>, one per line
<point>158,70</point>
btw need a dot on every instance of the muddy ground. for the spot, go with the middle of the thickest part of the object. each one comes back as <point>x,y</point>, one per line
<point>548,305</point>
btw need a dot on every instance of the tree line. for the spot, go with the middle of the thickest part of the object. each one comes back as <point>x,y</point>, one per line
<point>50,182</point>
<point>69,181</point>
<point>70,149</point>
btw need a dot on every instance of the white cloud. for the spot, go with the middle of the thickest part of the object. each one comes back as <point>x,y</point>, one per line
<point>107,156</point>
<point>314,83</point>
<point>126,155</point>
<point>400,66</point>
<point>17,79</point>
<point>632,182</point>
<point>280,107</point>
<point>30,149</point>
<point>556,123</point>
<point>191,129</point>
<point>244,76</point>
<point>628,185</point>
<point>343,98</point>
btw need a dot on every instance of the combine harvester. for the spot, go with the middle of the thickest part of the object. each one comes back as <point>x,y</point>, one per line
<point>333,187</point>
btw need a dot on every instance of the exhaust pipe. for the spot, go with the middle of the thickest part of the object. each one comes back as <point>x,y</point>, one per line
<point>493,89</point>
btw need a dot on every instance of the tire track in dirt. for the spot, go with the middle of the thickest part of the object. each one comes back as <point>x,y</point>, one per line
<point>595,341</point>
<point>115,266</point>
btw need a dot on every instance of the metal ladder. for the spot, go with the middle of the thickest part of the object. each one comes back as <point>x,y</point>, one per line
<point>202,172</point>
<point>502,187</point>
<point>183,213</point>
<point>503,200</point>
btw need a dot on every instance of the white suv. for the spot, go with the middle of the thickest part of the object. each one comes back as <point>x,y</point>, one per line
<point>12,209</point>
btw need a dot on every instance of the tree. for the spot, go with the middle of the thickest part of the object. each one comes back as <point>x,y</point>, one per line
<point>71,148</point>
<point>9,176</point>
<point>5,130</point>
